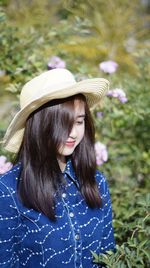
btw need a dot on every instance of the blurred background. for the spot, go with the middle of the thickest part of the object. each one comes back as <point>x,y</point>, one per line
<point>97,38</point>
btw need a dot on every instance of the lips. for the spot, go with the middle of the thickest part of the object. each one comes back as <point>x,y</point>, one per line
<point>70,143</point>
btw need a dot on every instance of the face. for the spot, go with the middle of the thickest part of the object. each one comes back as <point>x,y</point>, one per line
<point>77,131</point>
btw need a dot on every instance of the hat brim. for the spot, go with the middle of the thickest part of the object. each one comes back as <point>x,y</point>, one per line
<point>93,89</point>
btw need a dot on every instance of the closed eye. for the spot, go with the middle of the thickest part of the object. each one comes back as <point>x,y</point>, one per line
<point>79,122</point>
<point>80,119</point>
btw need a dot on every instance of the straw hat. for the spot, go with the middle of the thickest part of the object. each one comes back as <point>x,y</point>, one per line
<point>53,84</point>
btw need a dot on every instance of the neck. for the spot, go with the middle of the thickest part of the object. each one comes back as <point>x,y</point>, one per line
<point>62,162</point>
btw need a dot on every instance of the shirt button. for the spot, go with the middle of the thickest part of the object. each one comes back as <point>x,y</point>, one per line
<point>71,214</point>
<point>77,237</point>
<point>64,195</point>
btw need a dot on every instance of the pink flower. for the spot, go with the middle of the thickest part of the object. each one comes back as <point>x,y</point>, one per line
<point>119,94</point>
<point>108,67</point>
<point>99,115</point>
<point>56,62</point>
<point>101,153</point>
<point>4,165</point>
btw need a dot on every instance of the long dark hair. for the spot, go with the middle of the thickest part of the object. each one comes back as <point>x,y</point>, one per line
<point>41,177</point>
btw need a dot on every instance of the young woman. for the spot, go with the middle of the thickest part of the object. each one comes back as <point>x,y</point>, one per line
<point>55,206</point>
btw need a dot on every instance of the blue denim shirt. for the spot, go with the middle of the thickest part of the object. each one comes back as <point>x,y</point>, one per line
<point>29,239</point>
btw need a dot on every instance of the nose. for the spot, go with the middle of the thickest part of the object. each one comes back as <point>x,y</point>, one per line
<point>73,133</point>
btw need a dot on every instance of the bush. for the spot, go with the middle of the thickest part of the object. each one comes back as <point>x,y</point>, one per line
<point>123,127</point>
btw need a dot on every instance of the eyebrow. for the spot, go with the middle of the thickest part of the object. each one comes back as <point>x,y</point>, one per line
<point>81,115</point>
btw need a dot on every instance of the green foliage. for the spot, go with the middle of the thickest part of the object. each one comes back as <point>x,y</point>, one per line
<point>83,36</point>
<point>18,58</point>
<point>114,28</point>
<point>133,208</point>
<point>125,127</point>
<point>132,228</point>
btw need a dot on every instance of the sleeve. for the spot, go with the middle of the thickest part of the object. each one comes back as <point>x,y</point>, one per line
<point>108,241</point>
<point>8,227</point>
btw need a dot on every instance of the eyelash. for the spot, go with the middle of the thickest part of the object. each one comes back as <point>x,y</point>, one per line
<point>80,122</point>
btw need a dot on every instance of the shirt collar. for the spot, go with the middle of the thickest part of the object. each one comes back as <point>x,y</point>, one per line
<point>69,171</point>
<point>69,168</point>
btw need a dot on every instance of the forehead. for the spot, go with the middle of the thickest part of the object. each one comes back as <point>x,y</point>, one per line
<point>79,107</point>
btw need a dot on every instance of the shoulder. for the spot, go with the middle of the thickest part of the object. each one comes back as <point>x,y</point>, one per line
<point>8,196</point>
<point>101,182</point>
<point>8,181</point>
<point>9,212</point>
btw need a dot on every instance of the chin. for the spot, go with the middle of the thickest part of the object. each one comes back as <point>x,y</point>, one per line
<point>68,152</point>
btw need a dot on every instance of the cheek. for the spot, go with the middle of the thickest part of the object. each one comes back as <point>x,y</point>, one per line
<point>82,131</point>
